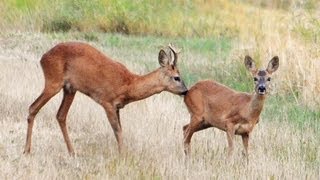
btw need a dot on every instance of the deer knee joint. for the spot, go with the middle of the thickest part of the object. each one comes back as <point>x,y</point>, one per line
<point>32,111</point>
<point>30,119</point>
<point>60,118</point>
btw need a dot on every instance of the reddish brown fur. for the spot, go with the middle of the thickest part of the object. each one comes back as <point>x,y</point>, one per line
<point>75,66</point>
<point>214,105</point>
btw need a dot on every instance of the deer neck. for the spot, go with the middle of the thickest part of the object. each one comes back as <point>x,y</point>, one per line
<point>256,106</point>
<point>145,86</point>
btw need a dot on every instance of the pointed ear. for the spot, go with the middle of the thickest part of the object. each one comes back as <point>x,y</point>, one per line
<point>273,65</point>
<point>163,58</point>
<point>174,52</point>
<point>250,65</point>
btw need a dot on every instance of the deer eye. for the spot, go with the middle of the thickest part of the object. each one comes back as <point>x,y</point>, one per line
<point>269,79</point>
<point>177,78</point>
<point>255,79</point>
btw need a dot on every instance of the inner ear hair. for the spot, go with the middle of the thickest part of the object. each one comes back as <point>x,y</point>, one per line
<point>250,64</point>
<point>163,58</point>
<point>273,64</point>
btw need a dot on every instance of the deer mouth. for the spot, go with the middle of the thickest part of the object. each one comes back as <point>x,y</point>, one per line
<point>261,92</point>
<point>184,93</point>
<point>262,89</point>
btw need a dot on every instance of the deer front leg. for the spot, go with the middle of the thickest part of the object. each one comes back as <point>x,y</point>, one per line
<point>114,119</point>
<point>230,137</point>
<point>245,141</point>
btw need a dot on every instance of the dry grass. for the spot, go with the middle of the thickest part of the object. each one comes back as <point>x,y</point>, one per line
<point>152,132</point>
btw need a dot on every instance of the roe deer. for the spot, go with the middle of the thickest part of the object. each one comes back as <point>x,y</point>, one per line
<point>75,66</point>
<point>211,104</point>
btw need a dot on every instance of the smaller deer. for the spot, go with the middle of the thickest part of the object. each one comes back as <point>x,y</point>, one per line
<point>211,104</point>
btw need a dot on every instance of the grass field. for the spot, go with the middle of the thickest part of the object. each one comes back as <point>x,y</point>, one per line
<point>281,146</point>
<point>214,36</point>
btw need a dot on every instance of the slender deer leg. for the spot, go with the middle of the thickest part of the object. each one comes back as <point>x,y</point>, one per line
<point>62,115</point>
<point>185,128</point>
<point>114,119</point>
<point>118,116</point>
<point>230,137</point>
<point>35,107</point>
<point>245,141</point>
<point>188,131</point>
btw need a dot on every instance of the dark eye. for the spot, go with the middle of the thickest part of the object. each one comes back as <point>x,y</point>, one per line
<point>269,79</point>
<point>177,78</point>
<point>255,79</point>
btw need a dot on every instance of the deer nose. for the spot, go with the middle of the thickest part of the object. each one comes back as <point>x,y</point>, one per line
<point>184,93</point>
<point>262,88</point>
<point>185,89</point>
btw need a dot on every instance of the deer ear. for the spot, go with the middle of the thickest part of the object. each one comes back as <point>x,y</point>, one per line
<point>273,65</point>
<point>163,58</point>
<point>250,65</point>
<point>174,54</point>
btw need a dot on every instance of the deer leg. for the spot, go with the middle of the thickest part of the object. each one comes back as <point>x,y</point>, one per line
<point>62,115</point>
<point>230,137</point>
<point>245,141</point>
<point>35,107</point>
<point>203,125</point>
<point>188,131</point>
<point>114,119</point>
<point>185,127</point>
<point>118,116</point>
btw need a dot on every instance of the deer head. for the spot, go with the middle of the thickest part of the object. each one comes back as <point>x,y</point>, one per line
<point>261,77</point>
<point>172,81</point>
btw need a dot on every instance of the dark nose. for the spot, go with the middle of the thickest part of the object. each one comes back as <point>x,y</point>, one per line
<point>185,89</point>
<point>262,88</point>
<point>184,93</point>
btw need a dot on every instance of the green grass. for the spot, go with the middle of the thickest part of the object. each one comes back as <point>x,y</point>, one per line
<point>164,18</point>
<point>213,46</point>
<point>295,113</point>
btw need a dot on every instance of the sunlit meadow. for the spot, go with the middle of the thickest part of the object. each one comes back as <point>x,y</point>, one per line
<point>214,36</point>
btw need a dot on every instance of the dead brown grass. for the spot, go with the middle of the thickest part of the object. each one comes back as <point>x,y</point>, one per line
<point>152,132</point>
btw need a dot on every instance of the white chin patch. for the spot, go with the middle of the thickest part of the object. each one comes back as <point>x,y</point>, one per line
<point>262,92</point>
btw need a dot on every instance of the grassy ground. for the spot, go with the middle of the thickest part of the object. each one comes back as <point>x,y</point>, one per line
<point>285,144</point>
<point>214,36</point>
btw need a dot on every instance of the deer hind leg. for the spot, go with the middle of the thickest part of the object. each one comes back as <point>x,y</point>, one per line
<point>68,97</point>
<point>203,125</point>
<point>114,119</point>
<point>35,107</point>
<point>188,130</point>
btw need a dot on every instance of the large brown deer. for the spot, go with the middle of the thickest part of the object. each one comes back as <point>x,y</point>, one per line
<point>75,66</point>
<point>211,104</point>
